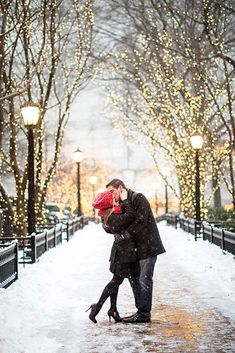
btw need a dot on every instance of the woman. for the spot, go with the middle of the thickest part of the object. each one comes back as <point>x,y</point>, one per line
<point>123,259</point>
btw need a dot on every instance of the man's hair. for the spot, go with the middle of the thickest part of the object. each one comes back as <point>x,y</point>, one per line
<point>116,183</point>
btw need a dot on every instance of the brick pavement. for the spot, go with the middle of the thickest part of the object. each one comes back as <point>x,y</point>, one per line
<point>189,313</point>
<point>175,329</point>
<point>183,328</point>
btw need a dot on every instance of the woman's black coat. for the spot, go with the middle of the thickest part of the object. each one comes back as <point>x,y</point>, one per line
<point>123,258</point>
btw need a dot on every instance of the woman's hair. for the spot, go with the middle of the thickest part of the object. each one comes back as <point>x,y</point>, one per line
<point>116,183</point>
<point>106,214</point>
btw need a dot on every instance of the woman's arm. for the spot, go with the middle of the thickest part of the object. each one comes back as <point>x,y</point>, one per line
<point>118,222</point>
<point>106,228</point>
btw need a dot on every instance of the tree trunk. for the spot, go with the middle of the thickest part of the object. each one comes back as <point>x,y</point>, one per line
<point>217,194</point>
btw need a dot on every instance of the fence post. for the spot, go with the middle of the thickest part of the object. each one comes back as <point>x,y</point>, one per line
<point>81,222</point>
<point>67,230</point>
<point>175,221</point>
<point>61,233</point>
<point>33,248</point>
<point>17,259</point>
<point>222,239</point>
<point>211,235</point>
<point>46,240</point>
<point>195,230</point>
<point>55,242</point>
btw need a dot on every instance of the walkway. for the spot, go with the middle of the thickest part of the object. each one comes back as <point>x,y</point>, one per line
<point>194,301</point>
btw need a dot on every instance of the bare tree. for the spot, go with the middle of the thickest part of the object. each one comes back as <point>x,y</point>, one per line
<point>175,85</point>
<point>45,49</point>
<point>219,18</point>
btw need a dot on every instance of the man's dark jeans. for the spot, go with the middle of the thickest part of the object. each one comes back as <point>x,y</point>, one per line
<point>142,286</point>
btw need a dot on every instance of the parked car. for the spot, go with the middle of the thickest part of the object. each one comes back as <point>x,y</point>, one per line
<point>52,209</point>
<point>68,211</point>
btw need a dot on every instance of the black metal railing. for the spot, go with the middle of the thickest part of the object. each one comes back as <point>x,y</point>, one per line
<point>73,225</point>
<point>8,264</point>
<point>171,219</point>
<point>43,241</point>
<point>32,247</point>
<point>27,250</point>
<point>212,231</point>
<point>219,236</point>
<point>189,225</point>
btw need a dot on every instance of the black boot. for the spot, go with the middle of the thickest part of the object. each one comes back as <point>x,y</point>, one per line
<point>114,314</point>
<point>95,308</point>
<point>136,319</point>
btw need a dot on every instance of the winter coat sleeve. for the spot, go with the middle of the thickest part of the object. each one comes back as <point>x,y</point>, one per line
<point>106,228</point>
<point>141,216</point>
<point>118,222</point>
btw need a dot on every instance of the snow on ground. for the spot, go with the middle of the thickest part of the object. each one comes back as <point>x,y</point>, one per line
<point>44,311</point>
<point>212,271</point>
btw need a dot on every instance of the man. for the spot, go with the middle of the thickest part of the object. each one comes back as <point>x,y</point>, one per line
<point>148,244</point>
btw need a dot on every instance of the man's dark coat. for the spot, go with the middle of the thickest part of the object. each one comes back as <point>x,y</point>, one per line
<point>144,228</point>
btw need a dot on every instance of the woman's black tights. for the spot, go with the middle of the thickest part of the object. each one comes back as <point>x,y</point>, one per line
<point>111,290</point>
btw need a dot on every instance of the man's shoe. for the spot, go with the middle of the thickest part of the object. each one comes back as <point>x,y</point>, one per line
<point>130,317</point>
<point>136,319</point>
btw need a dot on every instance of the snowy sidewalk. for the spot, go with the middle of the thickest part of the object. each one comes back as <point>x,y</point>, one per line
<point>193,305</point>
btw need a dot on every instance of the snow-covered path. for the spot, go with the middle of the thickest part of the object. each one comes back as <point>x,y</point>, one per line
<point>193,311</point>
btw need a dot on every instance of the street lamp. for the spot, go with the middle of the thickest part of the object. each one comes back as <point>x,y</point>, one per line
<point>93,181</point>
<point>30,113</point>
<point>197,142</point>
<point>78,157</point>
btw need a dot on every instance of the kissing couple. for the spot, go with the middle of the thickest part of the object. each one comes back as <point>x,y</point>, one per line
<point>128,216</point>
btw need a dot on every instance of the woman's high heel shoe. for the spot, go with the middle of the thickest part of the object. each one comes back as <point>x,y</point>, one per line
<point>114,314</point>
<point>94,311</point>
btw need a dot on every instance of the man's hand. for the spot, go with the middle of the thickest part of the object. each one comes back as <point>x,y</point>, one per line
<point>123,194</point>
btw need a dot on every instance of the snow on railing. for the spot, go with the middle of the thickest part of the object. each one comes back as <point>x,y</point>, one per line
<point>211,231</point>
<point>8,264</point>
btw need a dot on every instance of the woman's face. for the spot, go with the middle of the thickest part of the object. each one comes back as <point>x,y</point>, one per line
<point>113,200</point>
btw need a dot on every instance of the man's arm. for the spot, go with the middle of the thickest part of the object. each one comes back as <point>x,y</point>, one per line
<point>121,220</point>
<point>141,218</point>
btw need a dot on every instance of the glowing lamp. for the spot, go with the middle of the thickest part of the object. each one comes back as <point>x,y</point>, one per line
<point>196,142</point>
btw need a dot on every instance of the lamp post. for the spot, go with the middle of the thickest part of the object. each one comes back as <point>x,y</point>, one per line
<point>166,198</point>
<point>93,181</point>
<point>166,173</point>
<point>197,142</point>
<point>156,187</point>
<point>78,157</point>
<point>30,113</point>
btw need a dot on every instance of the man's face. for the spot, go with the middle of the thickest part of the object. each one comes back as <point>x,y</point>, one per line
<point>116,191</point>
